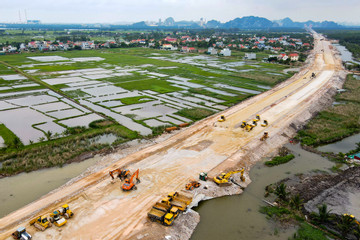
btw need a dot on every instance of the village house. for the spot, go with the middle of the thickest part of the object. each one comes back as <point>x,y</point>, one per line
<point>212,51</point>
<point>188,49</point>
<point>169,47</point>
<point>250,56</point>
<point>225,52</point>
<point>294,56</point>
<point>282,56</point>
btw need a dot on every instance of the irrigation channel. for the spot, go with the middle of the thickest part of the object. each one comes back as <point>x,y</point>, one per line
<point>238,217</point>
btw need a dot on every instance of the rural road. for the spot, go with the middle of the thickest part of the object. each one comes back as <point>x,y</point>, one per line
<point>103,211</point>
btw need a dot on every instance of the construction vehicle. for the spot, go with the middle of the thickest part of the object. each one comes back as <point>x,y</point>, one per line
<point>66,212</point>
<point>41,223</point>
<point>122,174</point>
<point>192,184</point>
<point>180,197</point>
<point>183,125</point>
<point>56,218</point>
<point>353,217</point>
<point>249,127</point>
<point>265,123</point>
<point>163,214</point>
<point>265,136</point>
<point>223,178</point>
<point>175,203</point>
<point>254,122</point>
<point>21,234</point>
<point>243,124</point>
<point>258,117</point>
<point>222,118</point>
<point>313,75</point>
<point>129,183</point>
<point>203,176</point>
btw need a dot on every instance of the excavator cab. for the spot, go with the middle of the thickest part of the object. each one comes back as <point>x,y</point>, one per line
<point>243,124</point>
<point>257,116</point>
<point>129,184</point>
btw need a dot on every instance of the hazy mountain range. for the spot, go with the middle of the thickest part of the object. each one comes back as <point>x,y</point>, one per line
<point>249,22</point>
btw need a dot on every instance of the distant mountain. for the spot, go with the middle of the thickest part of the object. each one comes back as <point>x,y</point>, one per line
<point>250,22</point>
<point>287,22</point>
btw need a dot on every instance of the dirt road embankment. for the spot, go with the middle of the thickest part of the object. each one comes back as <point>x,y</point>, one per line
<point>103,211</point>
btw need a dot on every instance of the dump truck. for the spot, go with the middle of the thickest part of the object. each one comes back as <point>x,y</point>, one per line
<point>165,216</point>
<point>175,203</point>
<point>21,234</point>
<point>180,197</point>
<point>56,218</point>
<point>66,212</point>
<point>41,223</point>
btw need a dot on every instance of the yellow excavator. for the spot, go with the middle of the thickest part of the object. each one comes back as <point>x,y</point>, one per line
<point>243,124</point>
<point>223,178</point>
<point>353,217</point>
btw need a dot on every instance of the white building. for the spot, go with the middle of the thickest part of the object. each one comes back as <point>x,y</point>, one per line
<point>212,51</point>
<point>250,56</point>
<point>225,52</point>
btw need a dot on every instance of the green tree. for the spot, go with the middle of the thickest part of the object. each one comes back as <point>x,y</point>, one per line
<point>280,191</point>
<point>345,225</point>
<point>323,214</point>
<point>48,135</point>
<point>296,202</point>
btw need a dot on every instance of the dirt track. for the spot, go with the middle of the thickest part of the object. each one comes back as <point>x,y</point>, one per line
<point>103,211</point>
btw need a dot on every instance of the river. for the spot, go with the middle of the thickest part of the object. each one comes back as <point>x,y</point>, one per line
<point>238,217</point>
<point>346,55</point>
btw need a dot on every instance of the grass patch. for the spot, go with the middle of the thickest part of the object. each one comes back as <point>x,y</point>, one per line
<point>20,89</point>
<point>157,85</point>
<point>135,100</point>
<point>279,160</point>
<point>195,113</point>
<point>75,93</point>
<point>336,122</point>
<point>8,136</point>
<point>274,211</point>
<point>308,232</point>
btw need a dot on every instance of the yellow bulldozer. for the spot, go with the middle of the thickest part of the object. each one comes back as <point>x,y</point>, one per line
<point>41,223</point>
<point>223,178</point>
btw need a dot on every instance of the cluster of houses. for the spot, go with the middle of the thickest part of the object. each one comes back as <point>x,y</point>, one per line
<point>218,45</point>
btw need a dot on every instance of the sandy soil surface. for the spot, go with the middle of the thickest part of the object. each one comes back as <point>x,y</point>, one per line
<point>103,211</point>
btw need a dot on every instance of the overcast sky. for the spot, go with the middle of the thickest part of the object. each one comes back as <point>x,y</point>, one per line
<point>112,11</point>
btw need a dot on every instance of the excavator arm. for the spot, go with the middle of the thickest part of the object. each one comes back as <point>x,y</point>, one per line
<point>137,176</point>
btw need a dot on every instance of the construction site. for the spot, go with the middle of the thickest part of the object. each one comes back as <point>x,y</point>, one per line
<point>148,194</point>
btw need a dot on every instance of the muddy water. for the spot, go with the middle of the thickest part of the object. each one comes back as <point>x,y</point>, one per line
<point>344,146</point>
<point>237,217</point>
<point>19,190</point>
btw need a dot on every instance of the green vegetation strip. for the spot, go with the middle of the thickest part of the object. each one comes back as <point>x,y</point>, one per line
<point>10,139</point>
<point>336,122</point>
<point>58,152</point>
<point>279,160</point>
<point>195,113</point>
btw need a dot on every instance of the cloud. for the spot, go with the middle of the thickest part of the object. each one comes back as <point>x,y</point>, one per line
<point>91,11</point>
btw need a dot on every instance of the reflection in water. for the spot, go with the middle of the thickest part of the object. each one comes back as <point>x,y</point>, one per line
<point>22,189</point>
